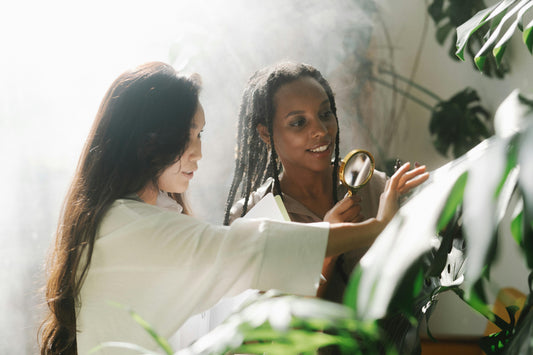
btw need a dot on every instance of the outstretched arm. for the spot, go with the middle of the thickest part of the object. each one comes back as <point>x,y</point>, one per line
<point>348,236</point>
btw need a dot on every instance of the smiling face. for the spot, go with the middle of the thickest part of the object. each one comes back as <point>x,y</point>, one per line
<point>304,126</point>
<point>176,177</point>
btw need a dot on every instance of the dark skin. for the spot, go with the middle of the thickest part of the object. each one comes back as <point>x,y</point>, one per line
<point>304,136</point>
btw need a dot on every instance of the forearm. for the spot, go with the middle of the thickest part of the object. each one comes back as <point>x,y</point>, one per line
<point>344,237</point>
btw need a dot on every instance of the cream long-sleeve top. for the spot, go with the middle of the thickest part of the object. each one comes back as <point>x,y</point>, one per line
<point>167,266</point>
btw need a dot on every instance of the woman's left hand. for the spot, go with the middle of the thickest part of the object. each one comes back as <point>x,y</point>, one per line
<point>412,179</point>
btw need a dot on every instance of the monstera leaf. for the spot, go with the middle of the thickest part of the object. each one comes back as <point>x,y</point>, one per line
<point>450,14</point>
<point>504,17</point>
<point>459,123</point>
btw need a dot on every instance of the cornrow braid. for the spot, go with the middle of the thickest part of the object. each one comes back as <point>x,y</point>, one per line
<point>255,161</point>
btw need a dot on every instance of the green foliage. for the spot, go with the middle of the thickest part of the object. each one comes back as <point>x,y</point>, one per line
<point>522,339</point>
<point>453,203</point>
<point>274,323</point>
<point>504,19</point>
<point>459,123</point>
<point>479,187</point>
<point>450,14</point>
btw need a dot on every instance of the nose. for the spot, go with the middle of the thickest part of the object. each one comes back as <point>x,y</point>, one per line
<point>195,152</point>
<point>319,128</point>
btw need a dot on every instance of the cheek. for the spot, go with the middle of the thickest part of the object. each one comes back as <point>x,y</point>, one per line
<point>332,128</point>
<point>169,177</point>
<point>287,142</point>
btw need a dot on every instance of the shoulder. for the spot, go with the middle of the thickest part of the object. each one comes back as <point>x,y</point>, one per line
<point>255,197</point>
<point>379,178</point>
<point>128,212</point>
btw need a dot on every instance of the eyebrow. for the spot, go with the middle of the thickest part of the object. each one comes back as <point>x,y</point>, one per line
<point>297,112</point>
<point>194,125</point>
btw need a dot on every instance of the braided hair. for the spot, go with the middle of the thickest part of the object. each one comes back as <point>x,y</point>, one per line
<point>255,160</point>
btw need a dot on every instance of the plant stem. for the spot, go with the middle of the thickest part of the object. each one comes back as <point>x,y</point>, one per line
<point>411,83</point>
<point>403,92</point>
<point>418,55</point>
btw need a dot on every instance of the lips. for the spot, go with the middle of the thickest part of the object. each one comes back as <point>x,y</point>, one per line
<point>319,148</point>
<point>188,174</point>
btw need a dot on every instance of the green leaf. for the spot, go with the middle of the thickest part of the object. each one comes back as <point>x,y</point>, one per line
<point>525,181</point>
<point>511,163</point>
<point>435,10</point>
<point>350,295</point>
<point>527,240</point>
<point>451,231</point>
<point>442,32</point>
<point>516,228</point>
<point>522,340</point>
<point>475,22</point>
<point>475,297</point>
<point>480,61</point>
<point>498,53</point>
<point>496,343</point>
<point>313,323</point>
<point>496,31</point>
<point>480,213</point>
<point>521,15</point>
<point>161,341</point>
<point>458,122</point>
<point>499,47</point>
<point>454,200</point>
<point>527,37</point>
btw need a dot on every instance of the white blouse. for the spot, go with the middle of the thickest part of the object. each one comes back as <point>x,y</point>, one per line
<point>168,266</point>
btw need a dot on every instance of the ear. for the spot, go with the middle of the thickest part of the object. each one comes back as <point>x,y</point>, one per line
<point>263,133</point>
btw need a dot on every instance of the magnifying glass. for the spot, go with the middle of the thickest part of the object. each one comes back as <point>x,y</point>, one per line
<point>356,169</point>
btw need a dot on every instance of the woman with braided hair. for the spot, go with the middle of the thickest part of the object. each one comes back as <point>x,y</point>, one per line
<point>288,144</point>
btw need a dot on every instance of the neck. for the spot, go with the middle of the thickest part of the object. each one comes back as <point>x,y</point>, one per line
<point>148,194</point>
<point>306,185</point>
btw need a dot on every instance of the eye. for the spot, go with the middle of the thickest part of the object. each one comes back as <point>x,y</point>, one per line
<point>200,134</point>
<point>298,122</point>
<point>326,115</point>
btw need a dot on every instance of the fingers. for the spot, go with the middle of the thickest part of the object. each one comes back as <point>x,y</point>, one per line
<point>349,208</point>
<point>412,174</point>
<point>412,179</point>
<point>353,214</point>
<point>347,203</point>
<point>394,182</point>
<point>346,210</point>
<point>414,182</point>
<point>359,218</point>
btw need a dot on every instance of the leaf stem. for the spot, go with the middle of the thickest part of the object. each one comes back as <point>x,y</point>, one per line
<point>411,83</point>
<point>403,92</point>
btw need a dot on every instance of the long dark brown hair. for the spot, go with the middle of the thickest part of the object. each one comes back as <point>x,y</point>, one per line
<point>256,161</point>
<point>142,127</point>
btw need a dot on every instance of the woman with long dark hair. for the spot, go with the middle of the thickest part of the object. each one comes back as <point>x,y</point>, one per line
<point>126,236</point>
